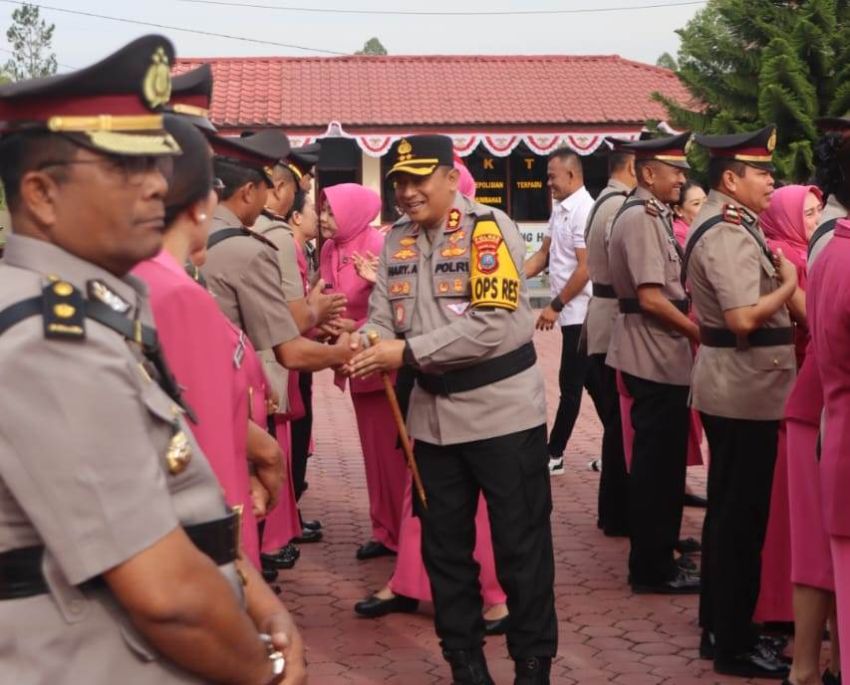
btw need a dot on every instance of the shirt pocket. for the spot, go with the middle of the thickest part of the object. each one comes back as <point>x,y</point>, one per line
<point>776,358</point>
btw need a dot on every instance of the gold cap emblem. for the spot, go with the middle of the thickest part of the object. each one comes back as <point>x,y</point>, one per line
<point>771,142</point>
<point>157,84</point>
<point>405,150</point>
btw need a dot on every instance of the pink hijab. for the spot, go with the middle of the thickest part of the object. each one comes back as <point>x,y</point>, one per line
<point>784,227</point>
<point>466,186</point>
<point>354,208</point>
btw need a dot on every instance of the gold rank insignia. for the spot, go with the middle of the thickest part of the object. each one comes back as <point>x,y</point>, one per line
<point>156,86</point>
<point>406,254</point>
<point>407,241</point>
<point>453,251</point>
<point>443,287</point>
<point>63,311</point>
<point>455,238</point>
<point>453,222</point>
<point>400,288</point>
<point>459,286</point>
<point>653,208</point>
<point>179,453</point>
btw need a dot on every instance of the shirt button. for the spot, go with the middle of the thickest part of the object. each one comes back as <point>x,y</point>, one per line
<point>776,362</point>
<point>75,606</point>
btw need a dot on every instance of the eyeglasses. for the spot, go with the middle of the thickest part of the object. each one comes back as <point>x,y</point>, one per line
<point>131,168</point>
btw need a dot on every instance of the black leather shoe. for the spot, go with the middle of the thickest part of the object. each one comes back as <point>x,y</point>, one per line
<point>372,550</point>
<point>683,584</point>
<point>830,678</point>
<point>269,573</point>
<point>373,607</point>
<point>758,663</point>
<point>468,667</point>
<point>285,557</point>
<point>695,501</point>
<point>315,524</point>
<point>687,564</point>
<point>532,671</point>
<point>688,546</point>
<point>309,535</point>
<point>498,626</point>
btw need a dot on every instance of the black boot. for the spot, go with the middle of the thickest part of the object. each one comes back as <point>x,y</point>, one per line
<point>468,667</point>
<point>533,670</point>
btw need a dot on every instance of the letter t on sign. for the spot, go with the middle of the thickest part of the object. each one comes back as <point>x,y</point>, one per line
<point>529,163</point>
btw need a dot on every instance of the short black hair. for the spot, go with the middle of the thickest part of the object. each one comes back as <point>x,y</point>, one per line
<point>618,160</point>
<point>565,154</point>
<point>283,172</point>
<point>21,153</point>
<point>832,166</point>
<point>717,166</point>
<point>297,203</point>
<point>234,175</point>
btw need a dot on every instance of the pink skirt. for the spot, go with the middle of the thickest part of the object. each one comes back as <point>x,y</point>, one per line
<point>775,601</point>
<point>283,523</point>
<point>411,580</point>
<point>840,547</point>
<point>811,558</point>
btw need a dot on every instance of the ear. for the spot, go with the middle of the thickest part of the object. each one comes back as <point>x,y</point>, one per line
<point>39,197</point>
<point>730,181</point>
<point>454,179</point>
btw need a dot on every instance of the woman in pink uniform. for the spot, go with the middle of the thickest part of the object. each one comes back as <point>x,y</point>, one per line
<point>788,223</point>
<point>409,583</point>
<point>347,211</point>
<point>828,309</point>
<point>197,339</point>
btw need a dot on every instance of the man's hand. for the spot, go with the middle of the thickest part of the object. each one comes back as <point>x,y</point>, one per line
<point>787,271</point>
<point>547,319</point>
<point>287,639</point>
<point>347,346</point>
<point>325,306</point>
<point>385,355</point>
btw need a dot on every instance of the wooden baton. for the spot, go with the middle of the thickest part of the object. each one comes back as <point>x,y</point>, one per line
<point>392,398</point>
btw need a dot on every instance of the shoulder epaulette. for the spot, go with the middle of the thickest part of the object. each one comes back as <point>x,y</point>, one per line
<point>732,215</point>
<point>63,311</point>
<point>653,207</point>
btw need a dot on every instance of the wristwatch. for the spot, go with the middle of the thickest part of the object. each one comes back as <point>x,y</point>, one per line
<point>557,303</point>
<point>276,657</point>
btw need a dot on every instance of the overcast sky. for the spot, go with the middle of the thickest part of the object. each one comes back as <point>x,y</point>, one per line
<point>640,33</point>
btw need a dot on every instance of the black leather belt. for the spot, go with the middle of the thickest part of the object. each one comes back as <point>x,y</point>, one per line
<point>604,290</point>
<point>631,305</point>
<point>762,337</point>
<point>485,373</point>
<point>20,569</point>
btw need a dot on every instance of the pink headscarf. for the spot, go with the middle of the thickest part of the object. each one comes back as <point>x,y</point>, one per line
<point>354,208</point>
<point>466,186</point>
<point>784,227</point>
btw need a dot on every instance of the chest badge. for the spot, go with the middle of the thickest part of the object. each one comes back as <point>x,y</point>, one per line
<point>453,222</point>
<point>407,241</point>
<point>400,288</point>
<point>179,453</point>
<point>399,314</point>
<point>453,251</point>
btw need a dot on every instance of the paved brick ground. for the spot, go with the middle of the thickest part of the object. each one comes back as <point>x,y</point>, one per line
<point>607,635</point>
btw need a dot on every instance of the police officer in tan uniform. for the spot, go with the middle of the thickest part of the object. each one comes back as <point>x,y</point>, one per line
<point>832,166</point>
<point>451,302</point>
<point>743,373</point>
<point>114,534</point>
<point>651,347</point>
<point>602,311</point>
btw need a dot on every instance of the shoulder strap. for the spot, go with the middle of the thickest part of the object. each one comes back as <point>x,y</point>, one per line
<point>820,232</point>
<point>144,336</point>
<point>694,238</point>
<point>224,234</point>
<point>602,200</point>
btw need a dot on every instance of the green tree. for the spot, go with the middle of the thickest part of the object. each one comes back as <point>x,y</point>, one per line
<point>373,46</point>
<point>31,39</point>
<point>748,63</point>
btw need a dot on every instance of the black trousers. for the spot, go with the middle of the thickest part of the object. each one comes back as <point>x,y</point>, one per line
<point>657,480</point>
<point>571,379</point>
<point>302,430</point>
<point>613,508</point>
<point>512,471</point>
<point>740,479</point>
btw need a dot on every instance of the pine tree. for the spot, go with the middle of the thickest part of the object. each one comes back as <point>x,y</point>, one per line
<point>31,39</point>
<point>748,63</point>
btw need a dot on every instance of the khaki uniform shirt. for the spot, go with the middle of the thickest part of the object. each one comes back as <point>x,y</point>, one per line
<point>833,209</point>
<point>84,434</point>
<point>728,269</point>
<point>602,311</point>
<point>280,234</point>
<point>244,275</point>
<point>422,295</point>
<point>642,250</point>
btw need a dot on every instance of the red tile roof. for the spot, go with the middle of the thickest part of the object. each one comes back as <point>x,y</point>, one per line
<point>460,92</point>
